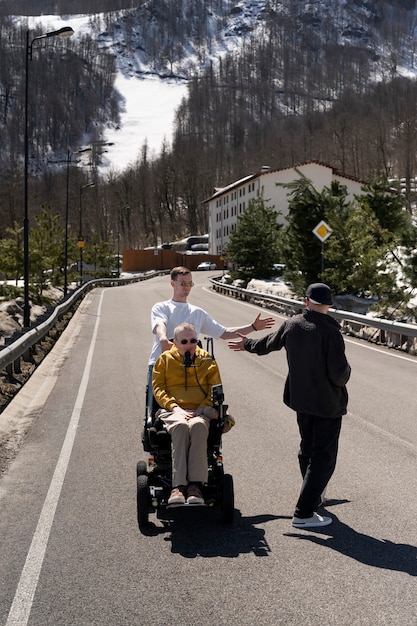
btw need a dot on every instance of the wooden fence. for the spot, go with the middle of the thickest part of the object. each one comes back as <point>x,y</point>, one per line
<point>144,260</point>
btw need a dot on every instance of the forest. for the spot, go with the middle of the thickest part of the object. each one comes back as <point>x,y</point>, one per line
<point>63,7</point>
<point>320,81</point>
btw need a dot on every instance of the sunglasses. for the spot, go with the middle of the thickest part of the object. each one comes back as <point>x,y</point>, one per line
<point>184,284</point>
<point>185,341</point>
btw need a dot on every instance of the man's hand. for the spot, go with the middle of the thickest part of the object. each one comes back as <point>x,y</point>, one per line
<point>165,344</point>
<point>261,324</point>
<point>187,413</point>
<point>238,346</point>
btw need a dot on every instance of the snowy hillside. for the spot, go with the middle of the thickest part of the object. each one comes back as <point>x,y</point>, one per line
<point>152,87</point>
<point>149,99</point>
<point>148,105</point>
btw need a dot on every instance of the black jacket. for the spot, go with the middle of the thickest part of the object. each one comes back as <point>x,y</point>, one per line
<point>317,367</point>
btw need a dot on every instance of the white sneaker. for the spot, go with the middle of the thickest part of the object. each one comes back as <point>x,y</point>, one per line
<point>177,497</point>
<point>311,522</point>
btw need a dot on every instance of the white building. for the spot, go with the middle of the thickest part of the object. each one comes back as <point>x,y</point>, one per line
<point>227,203</point>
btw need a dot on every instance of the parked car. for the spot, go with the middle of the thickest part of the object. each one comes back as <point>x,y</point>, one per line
<point>206,265</point>
<point>278,269</point>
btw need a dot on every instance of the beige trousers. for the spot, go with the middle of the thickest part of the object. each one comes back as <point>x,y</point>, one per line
<point>189,447</point>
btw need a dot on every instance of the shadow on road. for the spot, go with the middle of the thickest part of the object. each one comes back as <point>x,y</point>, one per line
<point>380,553</point>
<point>199,532</point>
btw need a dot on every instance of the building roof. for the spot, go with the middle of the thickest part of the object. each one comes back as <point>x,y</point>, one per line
<point>219,191</point>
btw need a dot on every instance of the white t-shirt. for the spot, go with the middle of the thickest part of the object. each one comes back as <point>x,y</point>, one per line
<point>173,313</point>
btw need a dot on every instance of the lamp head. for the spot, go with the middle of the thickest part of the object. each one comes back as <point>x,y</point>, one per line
<point>66,31</point>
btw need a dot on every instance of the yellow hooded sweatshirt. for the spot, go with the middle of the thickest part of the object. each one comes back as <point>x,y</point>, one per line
<point>189,387</point>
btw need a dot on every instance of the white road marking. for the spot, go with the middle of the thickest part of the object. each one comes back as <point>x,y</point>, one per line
<point>23,599</point>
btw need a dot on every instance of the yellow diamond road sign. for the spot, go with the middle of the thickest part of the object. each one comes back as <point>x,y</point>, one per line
<point>322,230</point>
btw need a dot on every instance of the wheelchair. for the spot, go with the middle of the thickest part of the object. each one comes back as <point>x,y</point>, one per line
<point>154,476</point>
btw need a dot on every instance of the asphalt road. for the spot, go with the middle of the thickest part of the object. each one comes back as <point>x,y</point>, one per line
<point>71,552</point>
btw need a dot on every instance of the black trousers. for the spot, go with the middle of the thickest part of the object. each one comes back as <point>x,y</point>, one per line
<point>317,458</point>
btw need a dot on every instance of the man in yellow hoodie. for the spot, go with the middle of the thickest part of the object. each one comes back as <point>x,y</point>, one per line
<point>182,380</point>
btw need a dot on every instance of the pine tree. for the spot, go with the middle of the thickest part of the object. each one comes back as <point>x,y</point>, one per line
<point>387,205</point>
<point>356,262</point>
<point>254,246</point>
<point>45,250</point>
<point>307,206</point>
<point>11,253</point>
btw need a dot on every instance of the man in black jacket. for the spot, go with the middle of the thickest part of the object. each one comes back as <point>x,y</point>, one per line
<point>316,389</point>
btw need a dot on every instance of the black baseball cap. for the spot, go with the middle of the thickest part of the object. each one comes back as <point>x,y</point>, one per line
<point>319,293</point>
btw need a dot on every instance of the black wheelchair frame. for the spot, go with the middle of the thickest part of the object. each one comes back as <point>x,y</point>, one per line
<point>154,476</point>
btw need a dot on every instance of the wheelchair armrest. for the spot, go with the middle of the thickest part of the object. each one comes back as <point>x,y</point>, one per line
<point>217,395</point>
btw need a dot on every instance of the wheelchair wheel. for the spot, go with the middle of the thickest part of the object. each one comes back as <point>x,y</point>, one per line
<point>142,501</point>
<point>141,468</point>
<point>228,501</point>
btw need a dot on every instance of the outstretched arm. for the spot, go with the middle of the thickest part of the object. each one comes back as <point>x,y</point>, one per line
<point>258,324</point>
<point>264,345</point>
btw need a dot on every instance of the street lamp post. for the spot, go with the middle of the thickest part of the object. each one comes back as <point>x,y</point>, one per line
<point>118,242</point>
<point>69,157</point>
<point>119,218</point>
<point>69,162</point>
<point>80,231</point>
<point>67,31</point>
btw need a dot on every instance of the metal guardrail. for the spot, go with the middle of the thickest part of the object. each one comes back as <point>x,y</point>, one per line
<point>20,348</point>
<point>391,333</point>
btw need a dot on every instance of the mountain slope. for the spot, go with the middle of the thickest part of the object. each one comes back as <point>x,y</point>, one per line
<point>306,53</point>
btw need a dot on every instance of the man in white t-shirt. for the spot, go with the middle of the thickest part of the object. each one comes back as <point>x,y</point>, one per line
<point>167,315</point>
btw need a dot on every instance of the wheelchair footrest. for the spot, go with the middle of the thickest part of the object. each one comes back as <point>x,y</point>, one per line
<point>185,504</point>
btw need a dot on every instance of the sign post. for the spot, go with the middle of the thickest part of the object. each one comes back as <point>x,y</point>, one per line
<point>322,232</point>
